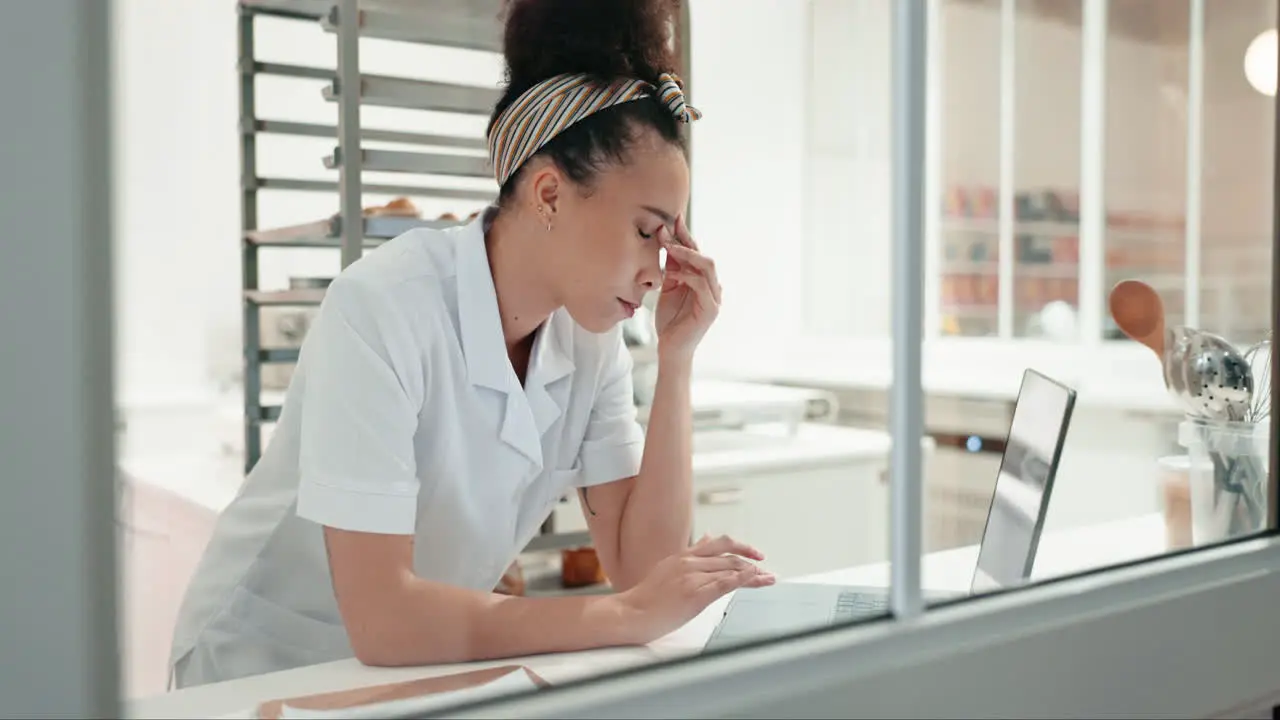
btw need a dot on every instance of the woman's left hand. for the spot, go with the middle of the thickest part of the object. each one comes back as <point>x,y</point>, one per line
<point>690,297</point>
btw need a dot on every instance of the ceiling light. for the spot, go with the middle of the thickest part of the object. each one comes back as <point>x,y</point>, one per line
<point>1260,63</point>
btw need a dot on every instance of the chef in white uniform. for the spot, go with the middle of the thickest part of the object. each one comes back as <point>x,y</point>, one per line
<point>457,383</point>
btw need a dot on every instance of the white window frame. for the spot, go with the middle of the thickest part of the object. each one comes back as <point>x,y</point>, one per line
<point>1189,635</point>
<point>59,656</point>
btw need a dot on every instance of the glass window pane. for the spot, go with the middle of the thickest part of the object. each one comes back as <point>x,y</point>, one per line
<point>1237,178</point>
<point>1165,122</point>
<point>791,195</point>
<point>970,168</point>
<point>1146,150</point>
<point>771,467</point>
<point>1046,168</point>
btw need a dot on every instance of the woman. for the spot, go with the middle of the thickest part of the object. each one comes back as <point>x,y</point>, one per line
<point>457,383</point>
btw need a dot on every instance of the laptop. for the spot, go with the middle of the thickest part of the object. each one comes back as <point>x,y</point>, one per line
<point>1015,519</point>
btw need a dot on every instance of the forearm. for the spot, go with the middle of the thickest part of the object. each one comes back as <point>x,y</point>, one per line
<point>657,519</point>
<point>426,623</point>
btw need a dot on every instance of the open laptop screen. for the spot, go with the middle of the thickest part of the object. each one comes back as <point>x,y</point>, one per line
<point>1040,419</point>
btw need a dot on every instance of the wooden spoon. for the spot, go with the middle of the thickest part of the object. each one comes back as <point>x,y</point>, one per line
<point>1139,313</point>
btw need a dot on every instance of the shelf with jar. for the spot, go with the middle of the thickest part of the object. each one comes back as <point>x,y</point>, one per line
<point>1046,247</point>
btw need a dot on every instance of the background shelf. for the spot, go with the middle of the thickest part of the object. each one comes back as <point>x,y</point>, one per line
<point>393,92</point>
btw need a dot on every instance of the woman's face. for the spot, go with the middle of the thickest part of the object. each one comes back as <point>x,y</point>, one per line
<point>605,240</point>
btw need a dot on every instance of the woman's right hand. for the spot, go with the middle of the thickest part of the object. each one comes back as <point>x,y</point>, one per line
<point>684,584</point>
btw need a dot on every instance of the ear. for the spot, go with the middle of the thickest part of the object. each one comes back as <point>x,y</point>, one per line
<point>548,189</point>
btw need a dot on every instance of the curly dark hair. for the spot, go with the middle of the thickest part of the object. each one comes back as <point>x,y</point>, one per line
<point>607,39</point>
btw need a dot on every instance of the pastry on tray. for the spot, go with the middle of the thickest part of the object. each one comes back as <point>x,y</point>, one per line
<point>400,207</point>
<point>580,567</point>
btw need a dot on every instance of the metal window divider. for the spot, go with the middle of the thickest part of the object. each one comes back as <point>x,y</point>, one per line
<point>909,54</point>
<point>1273,463</point>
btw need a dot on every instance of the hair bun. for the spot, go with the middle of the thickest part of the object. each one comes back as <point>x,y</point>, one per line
<point>604,38</point>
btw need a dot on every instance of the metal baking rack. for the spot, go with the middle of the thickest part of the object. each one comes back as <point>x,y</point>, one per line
<point>468,24</point>
<point>471,24</point>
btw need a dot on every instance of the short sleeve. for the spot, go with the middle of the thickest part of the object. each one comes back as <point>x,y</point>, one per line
<point>614,441</point>
<point>359,416</point>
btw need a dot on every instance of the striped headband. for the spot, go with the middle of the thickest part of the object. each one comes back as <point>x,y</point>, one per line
<point>548,108</point>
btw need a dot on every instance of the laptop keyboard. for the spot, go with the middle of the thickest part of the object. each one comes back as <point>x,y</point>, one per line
<point>851,605</point>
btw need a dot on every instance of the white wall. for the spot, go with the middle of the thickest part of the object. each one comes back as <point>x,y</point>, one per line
<point>177,216</point>
<point>749,63</point>
<point>847,173</point>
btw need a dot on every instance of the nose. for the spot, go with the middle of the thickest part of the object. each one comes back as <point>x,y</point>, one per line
<point>650,276</point>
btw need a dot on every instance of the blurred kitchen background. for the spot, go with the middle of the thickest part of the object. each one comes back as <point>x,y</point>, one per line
<point>1072,143</point>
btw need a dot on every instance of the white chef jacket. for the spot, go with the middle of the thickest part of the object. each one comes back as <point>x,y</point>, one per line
<point>404,416</point>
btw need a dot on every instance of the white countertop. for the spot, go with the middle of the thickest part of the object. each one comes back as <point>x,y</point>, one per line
<point>210,478</point>
<point>1119,375</point>
<point>1060,553</point>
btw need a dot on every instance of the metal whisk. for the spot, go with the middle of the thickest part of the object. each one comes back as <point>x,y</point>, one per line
<point>1259,358</point>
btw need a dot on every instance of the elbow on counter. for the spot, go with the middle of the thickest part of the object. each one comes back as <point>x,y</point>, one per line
<point>389,637</point>
<point>387,648</point>
<point>372,644</point>
<point>371,652</point>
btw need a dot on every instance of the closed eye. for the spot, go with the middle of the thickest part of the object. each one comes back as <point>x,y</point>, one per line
<point>645,235</point>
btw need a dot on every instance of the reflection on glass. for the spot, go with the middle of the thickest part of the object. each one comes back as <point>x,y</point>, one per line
<point>1046,173</point>
<point>1146,150</point>
<point>1045,132</point>
<point>970,99</point>
<point>1238,176</point>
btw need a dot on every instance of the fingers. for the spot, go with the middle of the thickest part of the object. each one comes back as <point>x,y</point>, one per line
<point>719,563</point>
<point>682,254</point>
<point>701,263</point>
<point>682,234</point>
<point>669,263</point>
<point>689,256</point>
<point>698,283</point>
<point>665,240</point>
<point>718,567</point>
<point>724,545</point>
<point>726,581</point>
<point>760,579</point>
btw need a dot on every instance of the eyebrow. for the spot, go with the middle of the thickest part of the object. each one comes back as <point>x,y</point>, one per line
<point>665,217</point>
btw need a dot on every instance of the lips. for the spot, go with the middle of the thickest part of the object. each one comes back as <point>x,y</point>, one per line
<point>628,306</point>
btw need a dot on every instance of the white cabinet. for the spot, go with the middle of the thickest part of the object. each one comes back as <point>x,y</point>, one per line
<point>812,502</point>
<point>1109,468</point>
<point>807,521</point>
<point>162,536</point>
